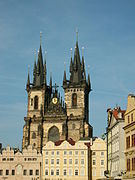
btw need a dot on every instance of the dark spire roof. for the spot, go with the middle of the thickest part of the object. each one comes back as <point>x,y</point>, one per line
<point>34,72</point>
<point>89,83</point>
<point>77,71</point>
<point>45,72</point>
<point>38,71</point>
<point>76,74</point>
<point>28,82</point>
<point>64,79</point>
<point>51,81</point>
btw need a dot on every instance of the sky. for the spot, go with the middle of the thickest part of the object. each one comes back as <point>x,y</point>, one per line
<point>106,30</point>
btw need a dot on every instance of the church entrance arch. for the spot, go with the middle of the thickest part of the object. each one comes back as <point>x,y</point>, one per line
<point>53,134</point>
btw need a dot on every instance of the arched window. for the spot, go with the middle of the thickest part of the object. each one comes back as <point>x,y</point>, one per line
<point>74,99</point>
<point>53,134</point>
<point>36,102</point>
<point>33,135</point>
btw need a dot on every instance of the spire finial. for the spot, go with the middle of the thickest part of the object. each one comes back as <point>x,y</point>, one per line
<point>64,65</point>
<point>40,37</point>
<point>83,51</point>
<point>34,54</point>
<point>71,52</point>
<point>28,69</point>
<point>76,35</point>
<point>45,56</point>
<point>88,68</point>
<point>28,81</point>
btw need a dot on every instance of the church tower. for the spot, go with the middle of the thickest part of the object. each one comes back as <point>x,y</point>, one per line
<point>77,90</point>
<point>39,94</point>
<point>49,118</point>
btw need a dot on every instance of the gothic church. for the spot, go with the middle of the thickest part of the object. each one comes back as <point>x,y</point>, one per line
<point>49,118</point>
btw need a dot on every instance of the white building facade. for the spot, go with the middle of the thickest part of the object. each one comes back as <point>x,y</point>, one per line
<point>115,142</point>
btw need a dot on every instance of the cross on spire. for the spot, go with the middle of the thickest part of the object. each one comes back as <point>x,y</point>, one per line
<point>40,37</point>
<point>76,35</point>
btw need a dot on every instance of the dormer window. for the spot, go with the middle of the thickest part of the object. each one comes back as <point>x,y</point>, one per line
<point>36,102</point>
<point>74,99</point>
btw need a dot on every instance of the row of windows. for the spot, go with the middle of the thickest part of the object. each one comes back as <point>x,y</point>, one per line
<point>128,141</point>
<point>25,159</point>
<point>101,153</point>
<point>74,90</point>
<point>7,159</point>
<point>25,172</point>
<point>96,174</point>
<point>30,159</point>
<point>76,161</point>
<point>129,161</point>
<point>101,162</point>
<point>65,172</point>
<point>64,153</point>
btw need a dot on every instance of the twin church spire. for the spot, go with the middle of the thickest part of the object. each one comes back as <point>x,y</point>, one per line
<point>39,72</point>
<point>77,72</point>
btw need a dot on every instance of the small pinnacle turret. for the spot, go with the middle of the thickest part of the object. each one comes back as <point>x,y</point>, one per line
<point>45,72</point>
<point>28,82</point>
<point>34,73</point>
<point>50,81</point>
<point>89,83</point>
<point>64,79</point>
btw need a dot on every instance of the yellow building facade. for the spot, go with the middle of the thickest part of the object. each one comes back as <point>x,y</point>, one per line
<point>67,160</point>
<point>98,158</point>
<point>129,129</point>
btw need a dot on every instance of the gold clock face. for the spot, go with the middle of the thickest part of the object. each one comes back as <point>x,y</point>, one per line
<point>54,100</point>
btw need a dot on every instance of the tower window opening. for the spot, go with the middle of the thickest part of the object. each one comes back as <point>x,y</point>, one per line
<point>74,99</point>
<point>31,102</point>
<point>36,102</point>
<point>33,135</point>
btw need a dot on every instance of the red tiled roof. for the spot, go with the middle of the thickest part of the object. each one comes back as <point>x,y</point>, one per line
<point>88,144</point>
<point>116,111</point>
<point>58,143</point>
<point>70,141</point>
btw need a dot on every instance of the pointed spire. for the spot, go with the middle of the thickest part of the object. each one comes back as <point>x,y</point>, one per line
<point>35,69</point>
<point>64,78</point>
<point>84,76</point>
<point>28,81</point>
<point>40,38</point>
<point>38,66</point>
<point>76,35</point>
<point>82,65</point>
<point>89,84</point>
<point>45,72</point>
<point>51,80</point>
<point>71,63</point>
